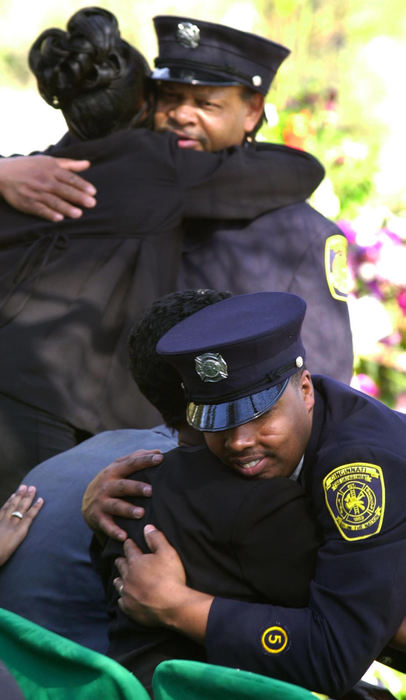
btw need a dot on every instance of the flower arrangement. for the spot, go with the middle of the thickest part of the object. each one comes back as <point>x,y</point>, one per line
<point>376,234</point>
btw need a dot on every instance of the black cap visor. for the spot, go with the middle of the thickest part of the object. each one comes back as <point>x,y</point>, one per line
<point>211,418</point>
<point>191,76</point>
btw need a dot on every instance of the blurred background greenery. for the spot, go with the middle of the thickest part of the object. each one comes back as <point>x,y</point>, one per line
<point>340,95</point>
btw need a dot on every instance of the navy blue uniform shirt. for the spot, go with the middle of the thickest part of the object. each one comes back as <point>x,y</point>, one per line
<point>355,472</point>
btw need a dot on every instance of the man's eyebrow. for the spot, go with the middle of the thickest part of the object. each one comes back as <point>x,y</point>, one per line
<point>200,92</point>
<point>209,94</point>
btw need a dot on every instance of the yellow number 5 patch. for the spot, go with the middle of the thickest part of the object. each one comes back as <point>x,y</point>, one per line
<point>355,497</point>
<point>274,639</point>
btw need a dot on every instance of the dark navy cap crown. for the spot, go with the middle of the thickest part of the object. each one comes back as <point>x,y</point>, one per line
<point>236,356</point>
<point>204,53</point>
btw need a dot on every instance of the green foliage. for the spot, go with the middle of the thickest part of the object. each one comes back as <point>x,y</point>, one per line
<point>14,68</point>
<point>313,121</point>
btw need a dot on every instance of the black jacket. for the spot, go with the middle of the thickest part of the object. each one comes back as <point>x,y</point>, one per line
<point>251,540</point>
<point>69,292</point>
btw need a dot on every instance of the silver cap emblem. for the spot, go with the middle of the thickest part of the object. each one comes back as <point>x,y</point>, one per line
<point>299,361</point>
<point>188,35</point>
<point>256,80</point>
<point>211,367</point>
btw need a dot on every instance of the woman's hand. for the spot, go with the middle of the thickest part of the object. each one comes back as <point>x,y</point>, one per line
<point>46,187</point>
<point>16,517</point>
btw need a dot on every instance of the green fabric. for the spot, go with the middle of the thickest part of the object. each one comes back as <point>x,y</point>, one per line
<point>192,680</point>
<point>50,667</point>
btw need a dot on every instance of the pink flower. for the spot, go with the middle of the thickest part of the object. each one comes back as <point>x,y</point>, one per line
<point>364,383</point>
<point>347,229</point>
<point>401,299</point>
<point>392,236</point>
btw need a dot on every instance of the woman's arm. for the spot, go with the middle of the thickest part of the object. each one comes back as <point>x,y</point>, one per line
<point>46,187</point>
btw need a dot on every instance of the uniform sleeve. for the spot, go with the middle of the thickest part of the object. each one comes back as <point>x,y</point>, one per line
<point>356,604</point>
<point>311,252</point>
<point>243,183</point>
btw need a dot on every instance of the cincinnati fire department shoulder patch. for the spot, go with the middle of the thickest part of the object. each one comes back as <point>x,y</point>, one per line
<point>335,261</point>
<point>355,497</point>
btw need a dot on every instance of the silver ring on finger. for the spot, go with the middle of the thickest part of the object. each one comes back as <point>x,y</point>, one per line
<point>17,514</point>
<point>121,589</point>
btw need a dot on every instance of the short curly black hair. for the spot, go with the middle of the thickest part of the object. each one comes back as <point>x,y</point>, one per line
<point>158,381</point>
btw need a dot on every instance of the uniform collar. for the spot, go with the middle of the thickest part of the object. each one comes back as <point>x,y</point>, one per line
<point>295,475</point>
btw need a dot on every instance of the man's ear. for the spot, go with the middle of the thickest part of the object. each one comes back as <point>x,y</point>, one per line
<point>255,107</point>
<point>306,388</point>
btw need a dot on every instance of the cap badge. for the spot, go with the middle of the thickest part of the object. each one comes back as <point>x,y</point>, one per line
<point>256,80</point>
<point>188,35</point>
<point>211,367</point>
<point>299,362</point>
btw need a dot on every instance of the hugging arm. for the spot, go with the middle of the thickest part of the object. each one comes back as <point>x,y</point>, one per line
<point>326,646</point>
<point>240,183</point>
<point>243,183</point>
<point>45,186</point>
<point>105,496</point>
<point>153,591</point>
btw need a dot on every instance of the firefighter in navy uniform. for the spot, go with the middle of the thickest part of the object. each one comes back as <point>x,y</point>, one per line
<point>206,72</point>
<point>242,365</point>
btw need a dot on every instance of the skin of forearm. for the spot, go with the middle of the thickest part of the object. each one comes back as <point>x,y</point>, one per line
<point>188,613</point>
<point>152,588</point>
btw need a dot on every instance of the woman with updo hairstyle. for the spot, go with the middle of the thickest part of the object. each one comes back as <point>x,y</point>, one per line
<point>89,72</point>
<point>71,290</point>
